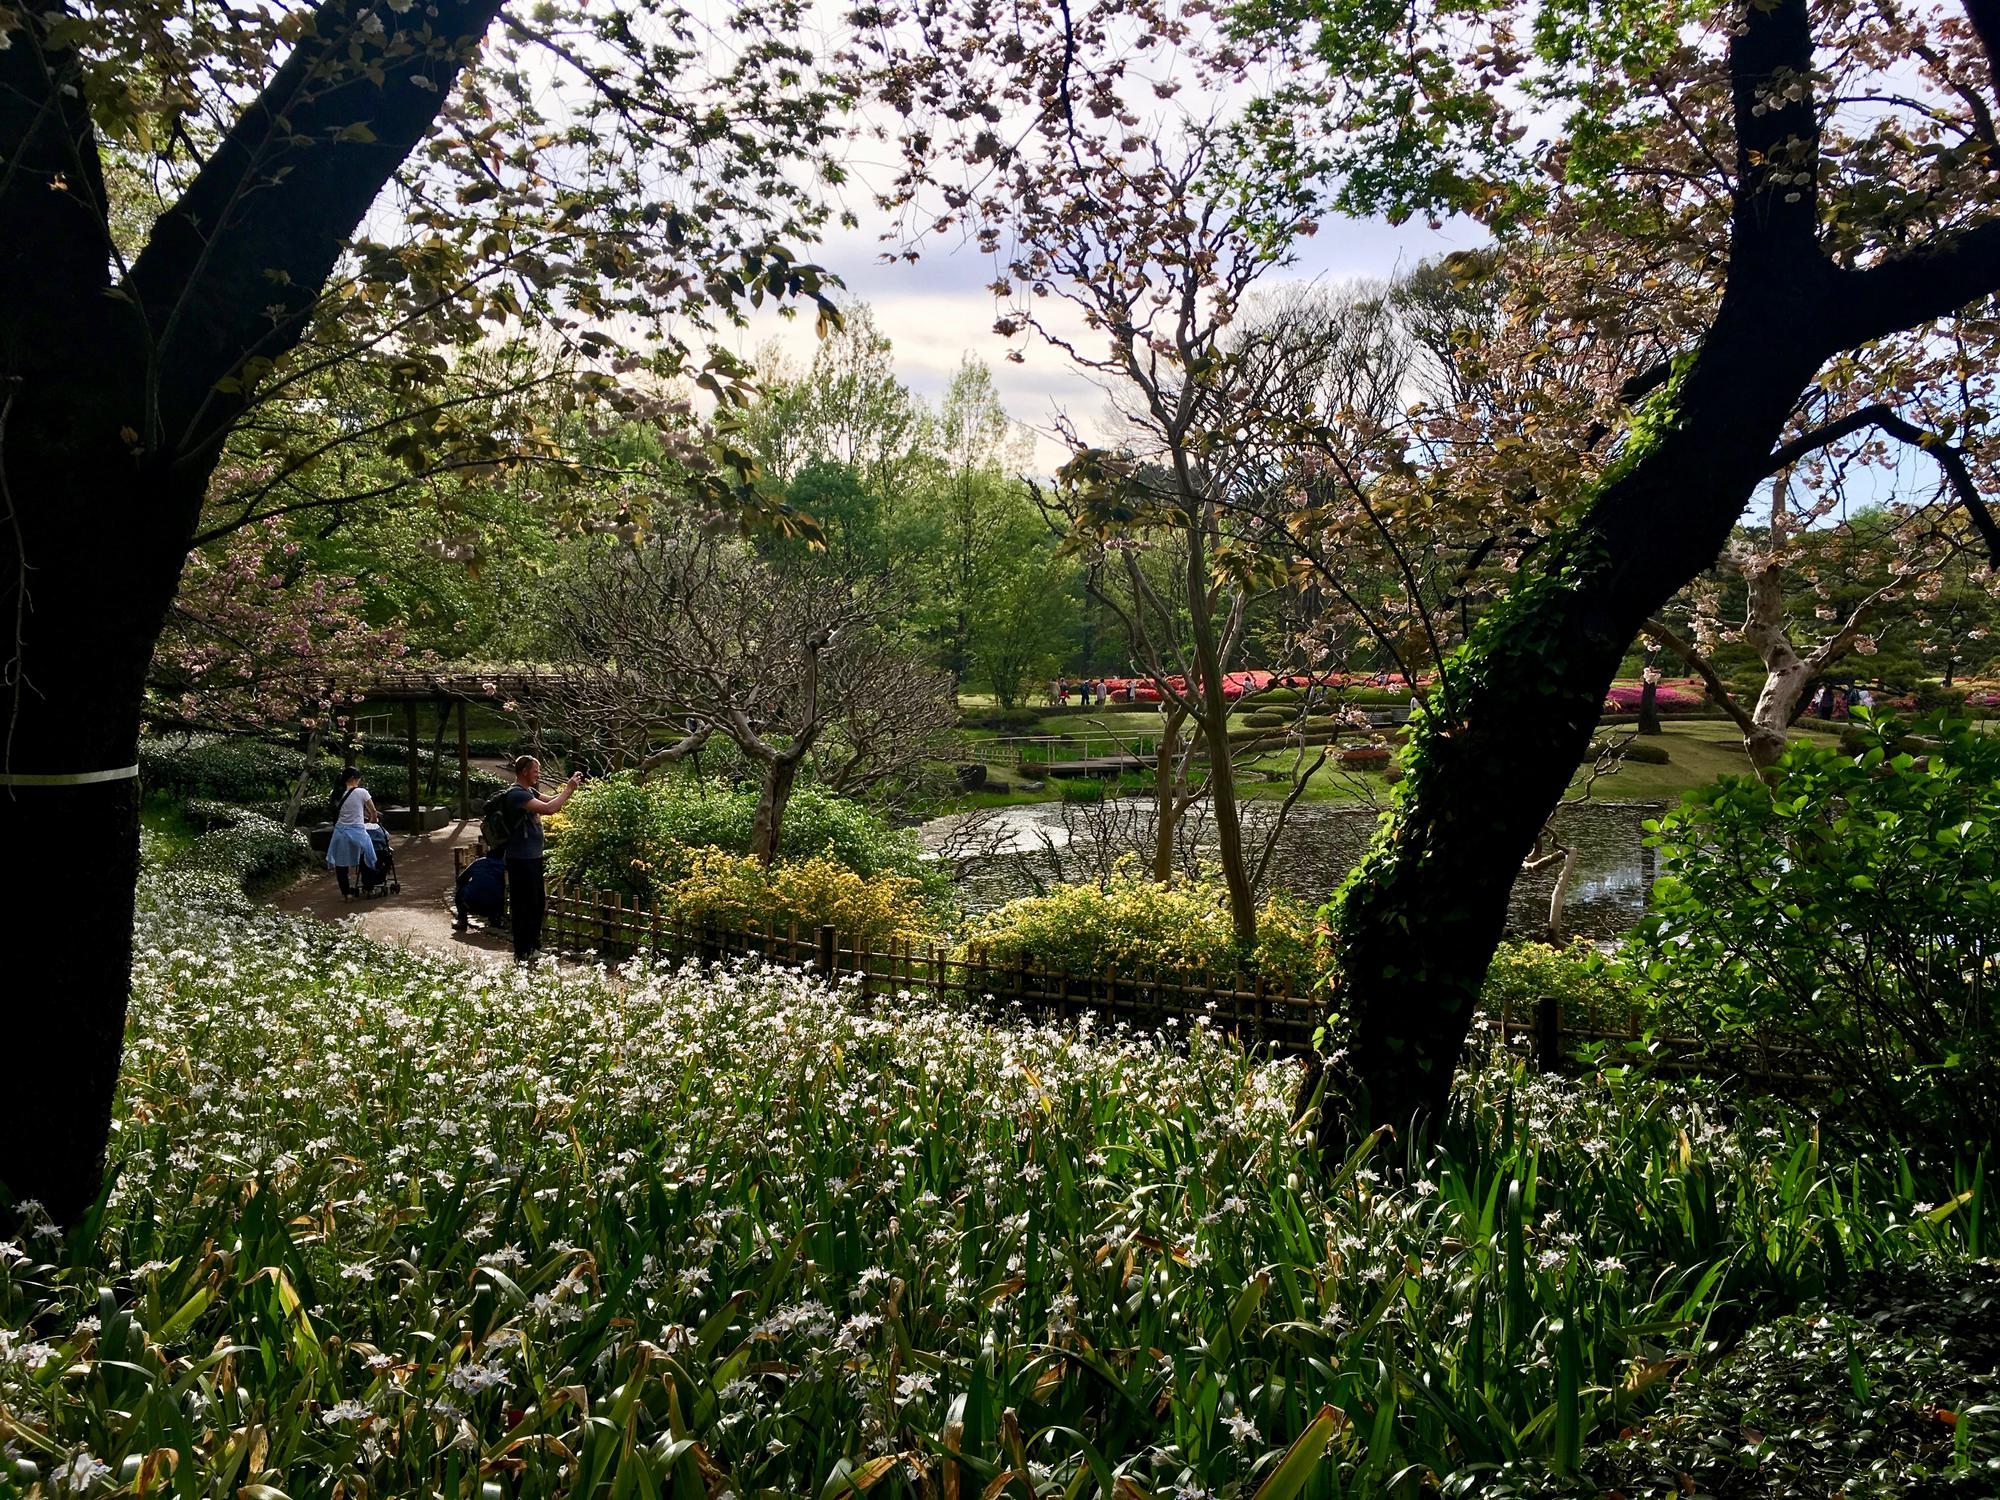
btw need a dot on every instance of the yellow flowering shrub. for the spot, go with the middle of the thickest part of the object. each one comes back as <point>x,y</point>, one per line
<point>1133,925</point>
<point>732,891</point>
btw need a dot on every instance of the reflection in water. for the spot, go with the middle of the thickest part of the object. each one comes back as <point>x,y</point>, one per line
<point>1319,844</point>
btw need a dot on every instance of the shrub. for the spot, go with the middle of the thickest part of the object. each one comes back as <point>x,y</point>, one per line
<point>258,853</point>
<point>218,767</point>
<point>1134,925</point>
<point>1850,909</point>
<point>1577,976</point>
<point>1364,756</point>
<point>1265,720</point>
<point>1080,789</point>
<point>1005,720</point>
<point>733,891</point>
<point>1638,752</point>
<point>618,834</point>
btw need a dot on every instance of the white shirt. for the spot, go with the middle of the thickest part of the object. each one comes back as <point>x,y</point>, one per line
<point>354,811</point>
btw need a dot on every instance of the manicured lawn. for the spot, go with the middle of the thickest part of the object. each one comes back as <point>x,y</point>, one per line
<point>1700,751</point>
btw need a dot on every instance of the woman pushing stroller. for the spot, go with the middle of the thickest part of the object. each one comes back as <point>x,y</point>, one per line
<point>352,846</point>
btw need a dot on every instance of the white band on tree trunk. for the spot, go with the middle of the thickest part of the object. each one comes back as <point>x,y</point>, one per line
<point>66,778</point>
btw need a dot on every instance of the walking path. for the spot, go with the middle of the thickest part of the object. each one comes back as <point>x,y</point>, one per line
<point>420,915</point>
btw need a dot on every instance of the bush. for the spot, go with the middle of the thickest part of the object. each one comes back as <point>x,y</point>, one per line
<point>1080,790</point>
<point>221,768</point>
<point>1851,910</point>
<point>733,892</point>
<point>258,853</point>
<point>1263,720</point>
<point>637,839</point>
<point>1577,976</point>
<point>1638,752</point>
<point>1005,720</point>
<point>1134,925</point>
<point>1364,756</point>
<point>387,765</point>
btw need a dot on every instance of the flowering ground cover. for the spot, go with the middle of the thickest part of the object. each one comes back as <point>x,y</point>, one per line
<point>385,1226</point>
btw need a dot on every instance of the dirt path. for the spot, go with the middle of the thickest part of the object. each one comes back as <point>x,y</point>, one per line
<point>420,915</point>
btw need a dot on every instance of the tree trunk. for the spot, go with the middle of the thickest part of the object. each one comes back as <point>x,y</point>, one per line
<point>1166,796</point>
<point>68,892</point>
<point>1649,707</point>
<point>1417,921</point>
<point>774,794</point>
<point>311,748</point>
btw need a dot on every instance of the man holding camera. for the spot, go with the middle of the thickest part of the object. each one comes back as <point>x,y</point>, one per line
<point>527,890</point>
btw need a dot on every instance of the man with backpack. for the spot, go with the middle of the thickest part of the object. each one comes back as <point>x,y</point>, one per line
<point>512,829</point>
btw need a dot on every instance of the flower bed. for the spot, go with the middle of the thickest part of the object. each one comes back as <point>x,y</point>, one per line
<point>382,1223</point>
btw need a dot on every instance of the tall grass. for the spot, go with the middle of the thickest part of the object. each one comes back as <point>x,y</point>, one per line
<point>386,1226</point>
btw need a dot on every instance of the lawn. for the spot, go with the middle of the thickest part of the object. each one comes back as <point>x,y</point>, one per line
<point>1699,749</point>
<point>385,1225</point>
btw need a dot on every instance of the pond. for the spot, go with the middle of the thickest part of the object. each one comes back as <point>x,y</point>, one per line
<point>1007,852</point>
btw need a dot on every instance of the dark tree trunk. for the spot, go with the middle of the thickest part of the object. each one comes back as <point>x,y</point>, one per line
<point>84,650</point>
<point>114,403</point>
<point>1649,707</point>
<point>1419,918</point>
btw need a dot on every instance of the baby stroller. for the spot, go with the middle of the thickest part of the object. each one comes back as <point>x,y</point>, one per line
<point>381,880</point>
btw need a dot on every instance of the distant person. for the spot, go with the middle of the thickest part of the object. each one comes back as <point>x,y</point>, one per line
<point>1062,692</point>
<point>1103,692</point>
<point>1852,699</point>
<point>1824,707</point>
<point>351,846</point>
<point>1131,690</point>
<point>520,810</point>
<point>1865,698</point>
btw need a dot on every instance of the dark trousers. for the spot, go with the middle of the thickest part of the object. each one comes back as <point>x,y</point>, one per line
<point>527,900</point>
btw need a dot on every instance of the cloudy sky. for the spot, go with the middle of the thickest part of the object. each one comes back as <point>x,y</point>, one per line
<point>939,310</point>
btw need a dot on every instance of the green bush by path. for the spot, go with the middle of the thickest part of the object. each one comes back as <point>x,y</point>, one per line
<point>220,768</point>
<point>639,838</point>
<point>383,1225</point>
<point>257,853</point>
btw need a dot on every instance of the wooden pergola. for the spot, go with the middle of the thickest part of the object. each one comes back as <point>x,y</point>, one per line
<point>448,690</point>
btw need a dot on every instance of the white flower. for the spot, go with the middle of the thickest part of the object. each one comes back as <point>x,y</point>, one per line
<point>80,1474</point>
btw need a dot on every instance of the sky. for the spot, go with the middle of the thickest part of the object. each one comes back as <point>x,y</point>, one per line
<point>939,310</point>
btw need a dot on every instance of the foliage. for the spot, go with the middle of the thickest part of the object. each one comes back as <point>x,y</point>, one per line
<point>1850,909</point>
<point>257,853</point>
<point>376,1214</point>
<point>740,894</point>
<point>1577,976</point>
<point>260,639</point>
<point>223,768</point>
<point>1131,925</point>
<point>1893,1397</point>
<point>638,838</point>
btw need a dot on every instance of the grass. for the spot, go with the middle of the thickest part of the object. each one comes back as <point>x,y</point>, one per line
<point>164,826</point>
<point>1701,750</point>
<point>384,1225</point>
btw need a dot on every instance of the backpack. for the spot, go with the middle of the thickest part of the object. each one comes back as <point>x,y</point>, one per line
<point>498,823</point>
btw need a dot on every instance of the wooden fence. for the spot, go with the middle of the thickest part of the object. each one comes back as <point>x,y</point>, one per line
<point>1264,1017</point>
